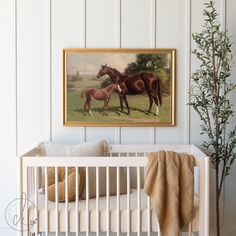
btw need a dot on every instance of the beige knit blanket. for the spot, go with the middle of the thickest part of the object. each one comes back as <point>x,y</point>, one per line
<point>170,185</point>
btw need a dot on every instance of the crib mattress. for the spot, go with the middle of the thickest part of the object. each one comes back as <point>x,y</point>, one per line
<point>102,215</point>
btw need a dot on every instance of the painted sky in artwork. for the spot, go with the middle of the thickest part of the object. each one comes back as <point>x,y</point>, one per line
<point>90,63</point>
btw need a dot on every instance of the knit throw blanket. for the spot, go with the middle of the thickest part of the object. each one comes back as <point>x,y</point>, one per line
<point>170,185</point>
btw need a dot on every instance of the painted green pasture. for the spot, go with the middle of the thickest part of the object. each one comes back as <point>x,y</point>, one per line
<point>138,105</point>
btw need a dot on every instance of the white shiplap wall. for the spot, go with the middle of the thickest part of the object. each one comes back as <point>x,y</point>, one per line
<point>8,110</point>
<point>40,29</point>
<point>118,24</point>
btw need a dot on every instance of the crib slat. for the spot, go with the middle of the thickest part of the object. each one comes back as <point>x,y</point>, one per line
<point>87,201</point>
<point>108,199</point>
<point>31,184</point>
<point>36,197</point>
<point>56,198</point>
<point>77,199</point>
<point>66,203</point>
<point>128,201</point>
<point>21,186</point>
<point>118,200</point>
<point>190,229</point>
<point>27,196</point>
<point>158,228</point>
<point>139,201</point>
<point>148,216</point>
<point>97,200</point>
<point>46,200</point>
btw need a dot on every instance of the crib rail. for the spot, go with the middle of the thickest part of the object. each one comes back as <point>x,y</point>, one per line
<point>84,161</point>
<point>31,170</point>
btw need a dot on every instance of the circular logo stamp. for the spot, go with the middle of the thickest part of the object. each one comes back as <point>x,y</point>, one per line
<point>16,213</point>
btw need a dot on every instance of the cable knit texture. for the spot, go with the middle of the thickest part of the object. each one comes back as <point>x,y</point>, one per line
<point>170,184</point>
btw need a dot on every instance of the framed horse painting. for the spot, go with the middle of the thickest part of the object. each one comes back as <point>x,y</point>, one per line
<point>119,87</point>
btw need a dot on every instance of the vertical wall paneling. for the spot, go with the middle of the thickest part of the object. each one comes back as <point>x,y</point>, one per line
<point>8,109</point>
<point>48,77</point>
<point>223,27</point>
<point>118,23</point>
<point>118,45</point>
<point>196,26</point>
<point>197,8</point>
<point>100,21</point>
<point>107,133</point>
<point>230,187</point>
<point>137,32</point>
<point>68,31</point>
<point>107,31</point>
<point>136,135</point>
<point>212,199</point>
<point>188,36</point>
<point>153,45</point>
<point>15,75</point>
<point>32,113</point>
<point>152,134</point>
<point>135,23</point>
<point>223,14</point>
<point>83,35</point>
<point>170,33</point>
<point>84,43</point>
<point>152,18</point>
<point>153,24</point>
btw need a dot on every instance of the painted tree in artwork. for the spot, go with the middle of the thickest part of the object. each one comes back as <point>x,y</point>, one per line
<point>147,63</point>
<point>152,63</point>
<point>210,97</point>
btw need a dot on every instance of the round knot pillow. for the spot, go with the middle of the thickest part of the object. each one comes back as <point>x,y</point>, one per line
<point>62,183</point>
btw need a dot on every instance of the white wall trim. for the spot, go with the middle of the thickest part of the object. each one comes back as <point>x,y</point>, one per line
<point>188,49</point>
<point>118,135</point>
<point>83,23</point>
<point>84,134</point>
<point>118,24</point>
<point>152,135</point>
<point>84,43</point>
<point>48,64</point>
<point>18,180</point>
<point>16,73</point>
<point>223,14</point>
<point>153,44</point>
<point>223,27</point>
<point>118,44</point>
<point>153,23</point>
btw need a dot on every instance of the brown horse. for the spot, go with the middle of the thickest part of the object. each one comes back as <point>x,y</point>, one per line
<point>103,94</point>
<point>135,84</point>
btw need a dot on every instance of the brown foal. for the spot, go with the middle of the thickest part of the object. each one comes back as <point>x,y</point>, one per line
<point>103,94</point>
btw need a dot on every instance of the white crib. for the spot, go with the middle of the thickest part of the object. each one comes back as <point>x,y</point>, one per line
<point>117,214</point>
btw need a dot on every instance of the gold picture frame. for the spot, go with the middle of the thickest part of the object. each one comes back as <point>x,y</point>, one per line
<point>141,78</point>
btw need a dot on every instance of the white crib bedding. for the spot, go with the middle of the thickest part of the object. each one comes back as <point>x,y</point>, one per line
<point>102,214</point>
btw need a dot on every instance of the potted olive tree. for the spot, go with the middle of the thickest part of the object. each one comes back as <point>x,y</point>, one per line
<point>209,96</point>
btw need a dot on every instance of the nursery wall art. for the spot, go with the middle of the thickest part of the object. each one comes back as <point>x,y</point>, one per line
<point>119,87</point>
